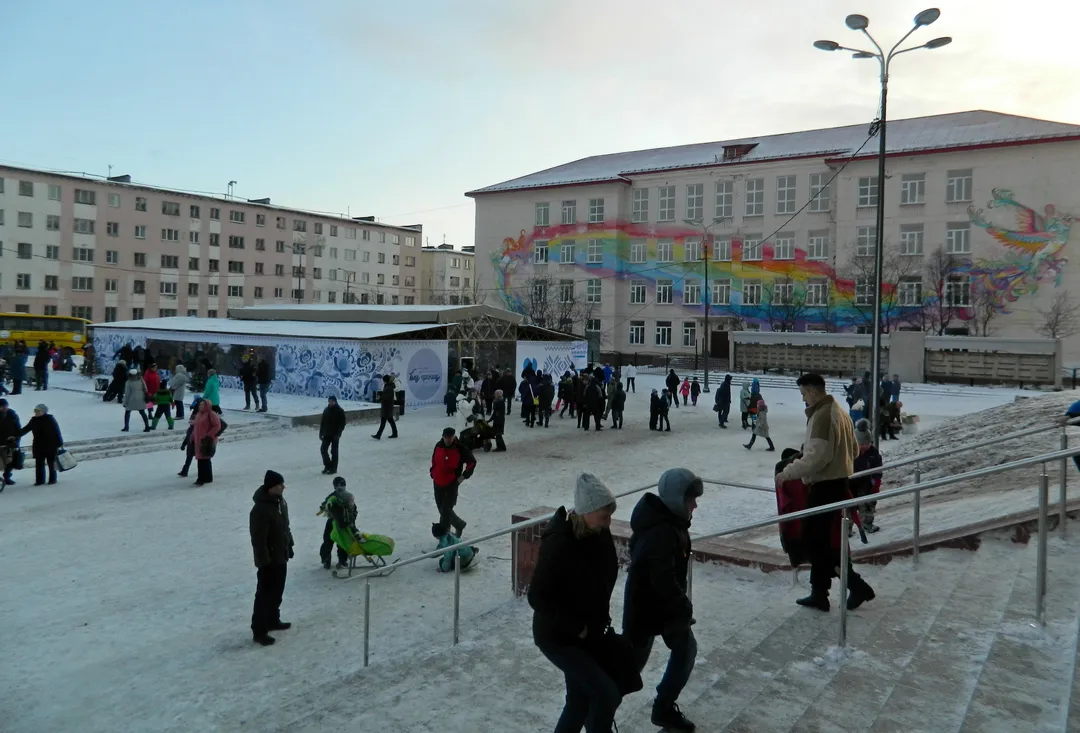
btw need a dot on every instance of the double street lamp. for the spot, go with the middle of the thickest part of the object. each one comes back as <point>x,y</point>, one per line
<point>706,230</point>
<point>861,23</point>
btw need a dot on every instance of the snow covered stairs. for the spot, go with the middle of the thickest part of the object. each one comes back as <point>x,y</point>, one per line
<point>138,441</point>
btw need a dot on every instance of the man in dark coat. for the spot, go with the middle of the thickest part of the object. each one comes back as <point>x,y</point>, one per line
<point>723,401</point>
<point>331,427</point>
<point>250,382</point>
<point>618,404</point>
<point>672,384</point>
<point>451,463</point>
<point>508,384</point>
<point>491,383</point>
<point>547,396</point>
<point>10,429</point>
<point>386,408</point>
<point>580,386</point>
<point>262,376</point>
<point>272,545</point>
<point>41,367</point>
<point>116,387</point>
<point>47,443</point>
<point>498,420</point>
<point>594,403</point>
<point>655,602</point>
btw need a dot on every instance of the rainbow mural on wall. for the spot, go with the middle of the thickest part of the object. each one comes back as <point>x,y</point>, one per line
<point>1034,254</point>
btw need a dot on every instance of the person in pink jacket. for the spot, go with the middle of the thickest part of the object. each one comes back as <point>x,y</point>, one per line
<point>684,390</point>
<point>205,432</point>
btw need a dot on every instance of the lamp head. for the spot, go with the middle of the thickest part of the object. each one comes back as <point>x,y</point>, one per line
<point>826,45</point>
<point>863,55</point>
<point>927,17</point>
<point>859,22</point>
<point>938,42</point>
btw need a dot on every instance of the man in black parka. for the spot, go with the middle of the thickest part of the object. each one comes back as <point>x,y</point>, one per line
<point>331,426</point>
<point>655,602</point>
<point>272,546</point>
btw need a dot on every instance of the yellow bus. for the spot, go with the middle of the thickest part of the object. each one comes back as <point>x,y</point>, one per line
<point>63,331</point>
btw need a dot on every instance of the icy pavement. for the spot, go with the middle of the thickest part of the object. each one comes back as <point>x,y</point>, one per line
<point>127,592</point>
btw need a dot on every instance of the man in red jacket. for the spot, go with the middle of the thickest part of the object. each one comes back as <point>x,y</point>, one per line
<point>451,463</point>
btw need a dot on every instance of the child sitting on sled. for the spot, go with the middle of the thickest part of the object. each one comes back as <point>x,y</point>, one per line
<point>340,506</point>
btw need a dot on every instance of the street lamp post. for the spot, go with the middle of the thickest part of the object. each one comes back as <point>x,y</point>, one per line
<point>300,250</point>
<point>706,229</point>
<point>861,23</point>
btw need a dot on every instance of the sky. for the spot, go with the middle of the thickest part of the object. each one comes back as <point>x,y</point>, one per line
<point>397,109</point>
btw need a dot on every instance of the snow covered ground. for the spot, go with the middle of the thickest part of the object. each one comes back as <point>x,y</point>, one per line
<point>127,592</point>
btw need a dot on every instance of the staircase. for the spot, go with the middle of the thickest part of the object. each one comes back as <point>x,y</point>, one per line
<point>947,646</point>
<point>164,439</point>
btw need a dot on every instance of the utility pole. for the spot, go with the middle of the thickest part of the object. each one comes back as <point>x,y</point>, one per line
<point>300,250</point>
<point>706,232</point>
<point>348,281</point>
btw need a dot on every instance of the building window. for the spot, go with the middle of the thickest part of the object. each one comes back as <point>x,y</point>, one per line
<point>259,293</point>
<point>26,188</point>
<point>689,334</point>
<point>52,252</point>
<point>638,292</point>
<point>350,233</point>
<point>595,252</point>
<point>784,246</point>
<point>212,291</point>
<point>864,292</point>
<point>382,258</point>
<point>112,256</point>
<point>667,204</point>
<point>193,237</point>
<point>316,273</point>
<point>333,230</point>
<point>83,226</point>
<point>281,221</point>
<point>958,238</point>
<point>167,289</point>
<point>279,246</point>
<point>540,253</point>
<point>212,265</point>
<point>49,310</point>
<point>52,223</point>
<point>913,189</point>
<point>215,213</point>
<point>26,219</point>
<point>410,281</point>
<point>112,228</point>
<point>751,292</point>
<point>592,325</point>
<point>140,203</point>
<point>137,314</point>
<point>170,235</point>
<point>596,211</point>
<point>911,239</point>
<point>215,240</point>
<point>299,225</point>
<point>411,299</point>
<point>640,210</point>
<point>82,311</point>
<point>785,195</point>
<point>279,270</point>
<point>318,227</point>
<point>110,313</point>
<point>958,186</point>
<point>82,254</point>
<point>83,196</point>
<point>382,237</point>
<point>543,211</point>
<point>865,241</point>
<point>193,264</point>
<point>166,312</point>
<point>908,292</point>
<point>817,293</point>
<point>663,292</point>
<point>638,251</point>
<point>110,285</point>
<point>867,191</point>
<point>721,250</point>
<point>193,289</point>
<point>238,267</point>
<point>170,208</point>
<point>114,200</point>
<point>569,212</point>
<point>236,242</point>
<point>54,192</point>
<point>695,201</point>
<point>140,231</point>
<point>691,292</point>
<point>958,291</point>
<point>280,293</point>
<point>194,212</point>
<point>52,282</point>
<point>755,197</point>
<point>725,200</point>
<point>665,250</point>
<point>236,291</point>
<point>259,269</point>
<point>637,333</point>
<point>817,246</point>
<point>663,333</point>
<point>238,217</point>
<point>820,193</point>
<point>212,312</point>
<point>25,250</point>
<point>592,290</point>
<point>138,287</point>
<point>566,291</point>
<point>260,246</point>
<point>692,249</point>
<point>751,250</point>
<point>721,292</point>
<point>783,292</point>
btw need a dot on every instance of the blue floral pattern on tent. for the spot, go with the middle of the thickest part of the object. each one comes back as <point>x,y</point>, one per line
<point>108,342</point>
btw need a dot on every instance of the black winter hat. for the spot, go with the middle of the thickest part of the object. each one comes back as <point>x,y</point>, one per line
<point>339,482</point>
<point>273,478</point>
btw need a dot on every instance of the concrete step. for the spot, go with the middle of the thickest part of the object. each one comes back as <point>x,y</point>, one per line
<point>162,439</point>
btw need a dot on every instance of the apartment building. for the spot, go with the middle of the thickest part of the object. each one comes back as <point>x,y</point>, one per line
<point>779,233</point>
<point>448,277</point>
<point>112,250</point>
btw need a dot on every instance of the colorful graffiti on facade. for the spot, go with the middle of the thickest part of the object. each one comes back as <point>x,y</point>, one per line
<point>1034,255</point>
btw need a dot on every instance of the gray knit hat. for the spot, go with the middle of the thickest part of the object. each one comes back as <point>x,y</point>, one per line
<point>675,486</point>
<point>591,494</point>
<point>863,432</point>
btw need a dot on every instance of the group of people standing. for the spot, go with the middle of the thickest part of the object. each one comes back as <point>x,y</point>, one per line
<point>13,360</point>
<point>48,441</point>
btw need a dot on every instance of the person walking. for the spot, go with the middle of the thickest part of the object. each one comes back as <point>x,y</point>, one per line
<point>331,426</point>
<point>188,445</point>
<point>262,377</point>
<point>895,388</point>
<point>594,404</point>
<point>618,404</point>
<point>451,463</point>
<point>10,431</point>
<point>654,409</point>
<point>570,595</point>
<point>18,368</point>
<point>663,423</point>
<point>178,386</point>
<point>47,443</point>
<point>135,399</point>
<point>250,382</point>
<point>672,384</point>
<point>546,393</point>
<point>828,456</point>
<point>498,421</point>
<point>744,405</point>
<point>386,408</point>
<point>684,390</point>
<point>723,401</point>
<point>655,602</point>
<point>528,402</point>
<point>630,372</point>
<point>580,389</point>
<point>695,391</point>
<point>163,398</point>
<point>272,546</point>
<point>205,432</point>
<point>41,367</point>
<point>507,385</point>
<point>116,386</point>
<point>761,427</point>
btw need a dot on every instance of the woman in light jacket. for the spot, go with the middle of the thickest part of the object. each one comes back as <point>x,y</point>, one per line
<point>761,427</point>
<point>212,391</point>
<point>178,386</point>
<point>204,433</point>
<point>135,399</point>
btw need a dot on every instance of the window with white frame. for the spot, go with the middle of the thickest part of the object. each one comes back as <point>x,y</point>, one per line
<point>666,212</point>
<point>595,252</point>
<point>140,203</point>
<point>865,241</point>
<point>83,196</point>
<point>566,252</point>
<point>721,292</point>
<point>298,225</point>
<point>689,334</point>
<point>636,336</point>
<point>170,262</point>
<point>751,250</point>
<point>864,292</point>
<point>82,284</point>
<point>817,245</point>
<point>140,231</point>
<point>82,254</point>
<point>52,223</point>
<point>638,251</point>
<point>26,188</point>
<point>784,246</point>
<point>237,291</point>
<point>692,249</point>
<point>958,291</point>
<point>866,194</point>
<point>25,250</point>
<point>638,292</point>
<point>83,226</point>
<point>592,325</point>
<point>165,288</point>
<point>913,189</point>
<point>691,292</point>
<point>958,186</point>
<point>725,200</point>
<point>52,252</point>
<point>596,211</point>
<point>663,292</point>
<point>114,200</point>
<point>751,292</point>
<point>755,197</point>
<point>22,281</point>
<point>569,212</point>
<point>785,195</point>
<point>566,291</point>
<point>695,201</point>
<point>540,253</point>
<point>911,239</point>
<point>592,290</point>
<point>663,333</point>
<point>54,192</point>
<point>455,262</point>
<point>817,293</point>
<point>640,210</point>
<point>26,219</point>
<point>908,292</point>
<point>539,292</point>
<point>783,292</point>
<point>170,235</point>
<point>543,214</point>
<point>820,192</point>
<point>958,238</point>
<point>112,256</point>
<point>721,250</point>
<point>111,285</point>
<point>665,250</point>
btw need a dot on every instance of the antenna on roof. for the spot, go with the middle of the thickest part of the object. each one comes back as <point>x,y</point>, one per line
<point>110,170</point>
<point>230,193</point>
<point>444,238</point>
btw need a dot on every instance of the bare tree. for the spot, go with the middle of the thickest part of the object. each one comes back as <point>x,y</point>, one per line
<point>1061,318</point>
<point>550,303</point>
<point>942,294</point>
<point>784,305</point>
<point>984,309</point>
<point>476,294</point>
<point>859,299</point>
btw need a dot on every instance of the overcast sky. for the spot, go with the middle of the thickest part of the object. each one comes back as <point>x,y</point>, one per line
<point>397,108</point>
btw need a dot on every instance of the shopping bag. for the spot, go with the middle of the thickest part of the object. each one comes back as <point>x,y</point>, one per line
<point>65,461</point>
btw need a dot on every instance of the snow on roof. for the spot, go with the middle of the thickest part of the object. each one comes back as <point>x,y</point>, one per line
<point>936,132</point>
<point>307,329</point>
<point>348,313</point>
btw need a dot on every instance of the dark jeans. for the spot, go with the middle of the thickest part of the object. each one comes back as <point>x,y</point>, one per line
<point>592,697</point>
<point>142,414</point>
<point>328,546</point>
<point>818,534</point>
<point>382,426</point>
<point>509,404</point>
<point>616,418</point>
<point>499,444</point>
<point>630,386</point>
<point>769,440</point>
<point>680,664</point>
<point>39,468</point>
<point>268,592</point>
<point>205,471</point>
<point>662,422</point>
<point>330,457</point>
<point>567,404</point>
<point>41,376</point>
<point>529,414</point>
<point>722,414</point>
<point>179,405</point>
<point>263,388</point>
<point>249,392</point>
<point>187,461</point>
<point>445,500</point>
<point>583,418</point>
<point>16,386</point>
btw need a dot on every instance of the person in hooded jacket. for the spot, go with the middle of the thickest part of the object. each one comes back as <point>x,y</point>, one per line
<point>10,431</point>
<point>723,401</point>
<point>262,376</point>
<point>546,393</point>
<point>18,369</point>
<point>212,390</point>
<point>250,381</point>
<point>570,595</point>
<point>761,427</point>
<point>386,409</point>
<point>47,443</point>
<point>41,367</point>
<point>655,602</point>
<point>594,403</point>
<point>507,384</point>
<point>116,386</point>
<point>152,380</point>
<point>695,391</point>
<point>528,402</point>
<point>498,421</point>
<point>272,546</point>
<point>672,384</point>
<point>662,421</point>
<point>331,426</point>
<point>618,404</point>
<point>580,388</point>
<point>654,409</point>
<point>451,463</point>
<point>867,486</point>
<point>207,427</point>
<point>178,385</point>
<point>491,383</point>
<point>744,405</point>
<point>135,399</point>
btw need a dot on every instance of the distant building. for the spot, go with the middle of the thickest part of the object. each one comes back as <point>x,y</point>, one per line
<point>447,276</point>
<point>112,250</point>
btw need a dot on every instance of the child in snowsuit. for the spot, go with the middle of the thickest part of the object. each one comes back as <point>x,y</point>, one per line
<point>467,553</point>
<point>684,390</point>
<point>761,427</point>
<point>340,507</point>
<point>695,390</point>
<point>163,398</point>
<point>867,486</point>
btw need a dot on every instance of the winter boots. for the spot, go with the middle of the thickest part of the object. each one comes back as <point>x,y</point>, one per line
<point>860,593</point>
<point>669,717</point>
<point>818,599</point>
